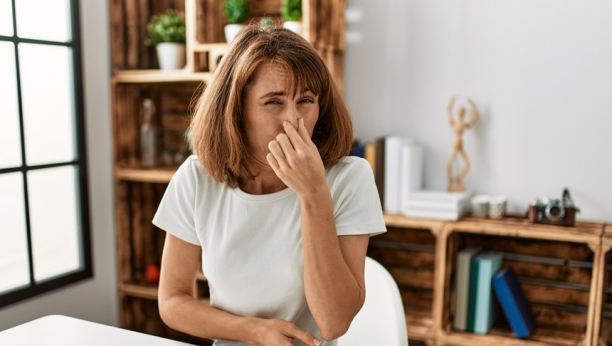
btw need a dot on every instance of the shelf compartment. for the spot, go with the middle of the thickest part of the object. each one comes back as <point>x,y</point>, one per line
<point>554,264</point>
<point>139,242</point>
<point>408,253</point>
<point>129,20</point>
<point>172,116</point>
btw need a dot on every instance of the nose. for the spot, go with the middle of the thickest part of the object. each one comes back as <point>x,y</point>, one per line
<point>291,115</point>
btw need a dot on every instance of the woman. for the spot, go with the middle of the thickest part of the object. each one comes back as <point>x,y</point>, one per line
<point>272,206</point>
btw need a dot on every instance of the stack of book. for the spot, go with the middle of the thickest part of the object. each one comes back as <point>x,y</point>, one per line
<point>436,204</point>
<point>478,276</point>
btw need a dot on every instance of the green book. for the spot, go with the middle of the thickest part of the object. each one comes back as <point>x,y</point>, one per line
<point>462,279</point>
<point>473,284</point>
<point>486,310</point>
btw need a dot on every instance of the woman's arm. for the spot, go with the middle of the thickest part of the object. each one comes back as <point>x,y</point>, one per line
<point>333,267</point>
<point>181,311</point>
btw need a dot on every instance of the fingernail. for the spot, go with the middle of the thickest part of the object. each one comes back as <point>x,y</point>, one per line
<point>317,342</point>
<point>284,123</point>
<point>302,119</point>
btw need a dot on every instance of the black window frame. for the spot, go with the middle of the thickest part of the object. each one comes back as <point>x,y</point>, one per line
<point>80,164</point>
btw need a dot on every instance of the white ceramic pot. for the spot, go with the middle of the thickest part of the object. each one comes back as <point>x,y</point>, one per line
<point>231,30</point>
<point>171,56</point>
<point>293,26</point>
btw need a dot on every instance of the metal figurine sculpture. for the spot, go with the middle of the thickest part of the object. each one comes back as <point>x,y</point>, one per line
<point>456,184</point>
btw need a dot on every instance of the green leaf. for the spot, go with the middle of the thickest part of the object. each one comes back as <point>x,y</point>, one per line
<point>291,10</point>
<point>168,27</point>
<point>237,11</point>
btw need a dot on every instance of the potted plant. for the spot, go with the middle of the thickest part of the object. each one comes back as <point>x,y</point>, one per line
<point>167,34</point>
<point>291,11</point>
<point>236,12</point>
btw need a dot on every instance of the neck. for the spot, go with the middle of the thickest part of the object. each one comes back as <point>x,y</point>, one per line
<point>265,182</point>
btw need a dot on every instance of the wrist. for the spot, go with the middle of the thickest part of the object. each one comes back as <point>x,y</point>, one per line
<point>253,330</point>
<point>316,194</point>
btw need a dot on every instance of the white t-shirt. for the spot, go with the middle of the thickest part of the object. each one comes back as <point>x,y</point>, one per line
<point>252,244</point>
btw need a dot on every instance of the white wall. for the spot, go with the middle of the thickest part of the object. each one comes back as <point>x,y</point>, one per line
<point>539,71</point>
<point>94,299</point>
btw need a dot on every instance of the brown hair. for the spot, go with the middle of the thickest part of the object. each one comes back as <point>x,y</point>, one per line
<point>217,128</point>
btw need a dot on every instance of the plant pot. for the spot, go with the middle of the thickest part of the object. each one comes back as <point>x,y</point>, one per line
<point>293,26</point>
<point>171,56</point>
<point>231,30</point>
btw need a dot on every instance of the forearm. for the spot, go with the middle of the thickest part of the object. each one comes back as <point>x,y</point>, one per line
<point>332,292</point>
<point>186,314</point>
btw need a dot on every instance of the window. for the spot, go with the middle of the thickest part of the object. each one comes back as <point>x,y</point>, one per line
<point>44,213</point>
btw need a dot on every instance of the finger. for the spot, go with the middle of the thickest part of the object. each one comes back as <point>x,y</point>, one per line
<point>286,145</point>
<point>272,161</point>
<point>303,132</point>
<point>296,138</point>
<point>276,150</point>
<point>305,336</point>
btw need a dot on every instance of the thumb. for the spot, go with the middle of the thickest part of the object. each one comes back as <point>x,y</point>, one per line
<point>306,337</point>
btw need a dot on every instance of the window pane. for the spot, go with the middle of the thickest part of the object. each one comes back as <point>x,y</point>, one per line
<point>10,155</point>
<point>14,269</point>
<point>44,20</point>
<point>54,223</point>
<point>47,101</point>
<point>6,18</point>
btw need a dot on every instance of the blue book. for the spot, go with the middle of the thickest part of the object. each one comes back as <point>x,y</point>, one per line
<point>473,284</point>
<point>513,302</point>
<point>486,310</point>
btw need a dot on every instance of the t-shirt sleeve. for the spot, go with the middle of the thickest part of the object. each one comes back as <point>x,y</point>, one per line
<point>175,213</point>
<point>357,208</point>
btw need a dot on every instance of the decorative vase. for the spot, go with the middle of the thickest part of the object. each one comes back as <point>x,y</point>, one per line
<point>231,30</point>
<point>171,56</point>
<point>293,26</point>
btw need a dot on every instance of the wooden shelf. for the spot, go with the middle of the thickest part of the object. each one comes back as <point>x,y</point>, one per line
<point>402,221</point>
<point>156,175</point>
<point>206,47</point>
<point>158,76</point>
<point>500,336</point>
<point>148,291</point>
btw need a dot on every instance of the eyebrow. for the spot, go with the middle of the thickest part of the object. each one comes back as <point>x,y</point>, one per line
<point>280,93</point>
<point>273,93</point>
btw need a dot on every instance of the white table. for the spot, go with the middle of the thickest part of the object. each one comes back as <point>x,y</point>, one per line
<point>58,330</point>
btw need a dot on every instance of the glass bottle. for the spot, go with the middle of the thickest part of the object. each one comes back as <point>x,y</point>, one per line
<point>148,136</point>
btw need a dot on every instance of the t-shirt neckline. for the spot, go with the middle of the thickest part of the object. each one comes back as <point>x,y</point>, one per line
<point>270,197</point>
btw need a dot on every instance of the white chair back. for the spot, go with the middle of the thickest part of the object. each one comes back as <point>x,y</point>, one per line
<point>381,320</point>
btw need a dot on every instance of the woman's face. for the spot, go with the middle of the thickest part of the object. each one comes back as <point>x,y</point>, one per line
<point>267,105</point>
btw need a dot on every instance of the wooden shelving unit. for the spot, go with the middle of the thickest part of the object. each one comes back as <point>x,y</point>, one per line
<point>135,76</point>
<point>563,272</point>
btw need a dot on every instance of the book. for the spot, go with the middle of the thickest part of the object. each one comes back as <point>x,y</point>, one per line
<point>436,204</point>
<point>472,290</point>
<point>393,166</point>
<point>462,284</point>
<point>432,214</point>
<point>379,174</point>
<point>370,155</point>
<point>411,171</point>
<point>513,302</point>
<point>486,310</point>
